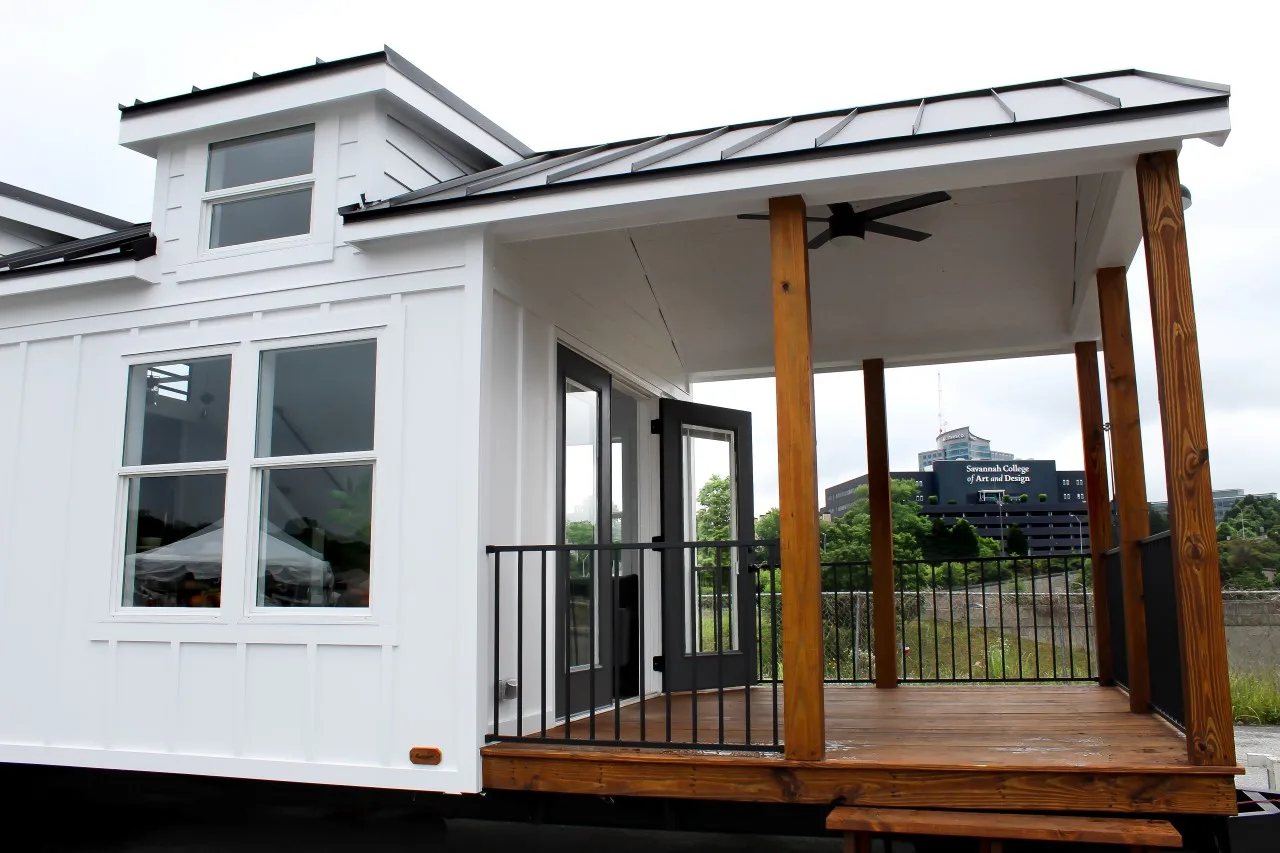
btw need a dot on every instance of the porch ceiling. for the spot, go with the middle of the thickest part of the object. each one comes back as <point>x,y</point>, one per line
<point>996,279</point>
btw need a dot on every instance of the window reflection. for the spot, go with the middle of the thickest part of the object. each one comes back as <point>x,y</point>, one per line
<point>177,412</point>
<point>317,399</point>
<point>314,536</point>
<point>173,541</point>
<point>581,511</point>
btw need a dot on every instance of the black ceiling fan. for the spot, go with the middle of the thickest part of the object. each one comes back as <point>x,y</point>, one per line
<point>844,221</point>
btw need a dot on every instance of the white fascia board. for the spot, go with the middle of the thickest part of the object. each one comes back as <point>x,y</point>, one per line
<point>49,220</point>
<point>1039,155</point>
<point>144,131</point>
<point>114,273</point>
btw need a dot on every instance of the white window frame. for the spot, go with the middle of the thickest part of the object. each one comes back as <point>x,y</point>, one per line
<point>126,473</point>
<point>244,192</point>
<point>258,465</point>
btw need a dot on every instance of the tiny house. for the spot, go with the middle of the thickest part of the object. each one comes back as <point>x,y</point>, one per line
<point>371,459</point>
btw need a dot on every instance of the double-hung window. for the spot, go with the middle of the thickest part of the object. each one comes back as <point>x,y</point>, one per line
<point>307,499</point>
<point>259,187</point>
<point>174,481</point>
<point>313,476</point>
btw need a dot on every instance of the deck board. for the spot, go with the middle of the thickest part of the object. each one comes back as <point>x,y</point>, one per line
<point>1025,746</point>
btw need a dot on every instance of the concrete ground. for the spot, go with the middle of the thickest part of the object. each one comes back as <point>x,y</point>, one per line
<point>1264,740</point>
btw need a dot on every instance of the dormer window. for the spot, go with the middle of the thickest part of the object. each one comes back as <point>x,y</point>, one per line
<point>260,187</point>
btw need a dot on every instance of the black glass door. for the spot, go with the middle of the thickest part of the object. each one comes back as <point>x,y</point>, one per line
<point>708,592</point>
<point>585,590</point>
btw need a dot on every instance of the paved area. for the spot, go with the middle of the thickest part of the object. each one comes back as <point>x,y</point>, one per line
<point>1258,739</point>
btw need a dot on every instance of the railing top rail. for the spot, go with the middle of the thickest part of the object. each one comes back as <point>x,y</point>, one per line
<point>1156,537</point>
<point>633,546</point>
<point>1111,551</point>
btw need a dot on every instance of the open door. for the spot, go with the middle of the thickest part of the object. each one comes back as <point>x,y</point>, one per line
<point>708,594</point>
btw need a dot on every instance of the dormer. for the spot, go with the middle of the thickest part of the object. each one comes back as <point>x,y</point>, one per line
<point>250,175</point>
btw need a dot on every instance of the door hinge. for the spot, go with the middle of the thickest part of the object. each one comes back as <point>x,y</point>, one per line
<point>658,663</point>
<point>655,426</point>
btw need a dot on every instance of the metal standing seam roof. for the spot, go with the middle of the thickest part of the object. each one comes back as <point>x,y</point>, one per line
<point>133,243</point>
<point>57,205</point>
<point>1086,99</point>
<point>386,55</point>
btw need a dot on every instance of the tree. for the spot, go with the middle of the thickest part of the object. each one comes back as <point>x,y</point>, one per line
<point>1241,562</point>
<point>1157,520</point>
<point>1016,541</point>
<point>1251,516</point>
<point>713,522</point>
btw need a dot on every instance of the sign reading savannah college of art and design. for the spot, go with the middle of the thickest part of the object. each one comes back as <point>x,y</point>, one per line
<point>997,473</point>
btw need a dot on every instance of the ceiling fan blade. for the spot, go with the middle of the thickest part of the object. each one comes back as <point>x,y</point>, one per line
<point>820,240</point>
<point>841,208</point>
<point>896,207</point>
<point>765,217</point>
<point>896,231</point>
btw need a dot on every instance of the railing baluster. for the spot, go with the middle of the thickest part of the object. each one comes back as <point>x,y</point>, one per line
<point>543,643</point>
<point>1004,674</point>
<point>1017,616</point>
<point>642,669</point>
<point>520,644</point>
<point>1085,583</point>
<point>718,600</point>
<point>1066,589</point>
<point>567,670</point>
<point>1035,618</point>
<point>919,626</point>
<point>1053,633</point>
<point>951,614</point>
<point>615,655</point>
<point>745,563</point>
<point>775,563</point>
<point>593,602</point>
<point>968,623</point>
<point>497,636</point>
<point>696,627</point>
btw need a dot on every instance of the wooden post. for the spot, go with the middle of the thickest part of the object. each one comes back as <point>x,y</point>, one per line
<point>886,625</point>
<point>1192,526</point>
<point>1099,501</point>
<point>802,669</point>
<point>1131,478</point>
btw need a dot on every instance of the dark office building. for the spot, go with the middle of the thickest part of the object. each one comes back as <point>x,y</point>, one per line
<point>972,489</point>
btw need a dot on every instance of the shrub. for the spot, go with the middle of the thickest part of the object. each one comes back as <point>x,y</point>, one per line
<point>1022,498</point>
<point>933,499</point>
<point>1043,497</point>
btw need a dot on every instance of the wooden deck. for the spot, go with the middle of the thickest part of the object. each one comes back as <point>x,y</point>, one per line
<point>1008,747</point>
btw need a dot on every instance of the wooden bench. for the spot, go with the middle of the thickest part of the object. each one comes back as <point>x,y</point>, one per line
<point>992,828</point>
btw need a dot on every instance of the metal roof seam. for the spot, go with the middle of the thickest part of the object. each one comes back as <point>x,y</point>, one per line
<point>621,152</point>
<point>678,149</point>
<point>755,139</point>
<point>497,180</point>
<point>1093,93</point>
<point>834,131</point>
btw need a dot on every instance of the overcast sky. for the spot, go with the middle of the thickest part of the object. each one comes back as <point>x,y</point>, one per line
<point>559,74</point>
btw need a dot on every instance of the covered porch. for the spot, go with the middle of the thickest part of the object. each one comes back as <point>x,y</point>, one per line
<point>984,225</point>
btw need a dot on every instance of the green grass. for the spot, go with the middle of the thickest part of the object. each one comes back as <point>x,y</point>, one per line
<point>1255,699</point>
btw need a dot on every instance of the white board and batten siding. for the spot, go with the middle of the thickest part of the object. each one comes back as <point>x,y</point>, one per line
<point>326,695</point>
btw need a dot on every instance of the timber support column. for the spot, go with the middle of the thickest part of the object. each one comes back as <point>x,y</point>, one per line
<point>879,496</point>
<point>1131,476</point>
<point>1099,502</point>
<point>802,666</point>
<point>1193,530</point>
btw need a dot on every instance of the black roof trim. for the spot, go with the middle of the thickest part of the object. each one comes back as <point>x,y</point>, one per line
<point>386,55</point>
<point>59,206</point>
<point>133,243</point>
<point>391,208</point>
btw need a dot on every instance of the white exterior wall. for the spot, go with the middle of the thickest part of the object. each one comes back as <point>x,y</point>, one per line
<point>526,321</point>
<point>316,695</point>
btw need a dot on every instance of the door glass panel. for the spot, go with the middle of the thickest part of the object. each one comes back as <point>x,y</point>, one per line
<point>710,501</point>
<point>581,510</point>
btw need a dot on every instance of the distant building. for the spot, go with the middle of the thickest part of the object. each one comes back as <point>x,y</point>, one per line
<point>972,489</point>
<point>1223,500</point>
<point>958,445</point>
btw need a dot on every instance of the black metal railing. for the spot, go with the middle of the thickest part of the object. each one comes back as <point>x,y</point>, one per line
<point>574,636</point>
<point>1164,646</point>
<point>1116,618</point>
<point>576,627</point>
<point>973,620</point>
